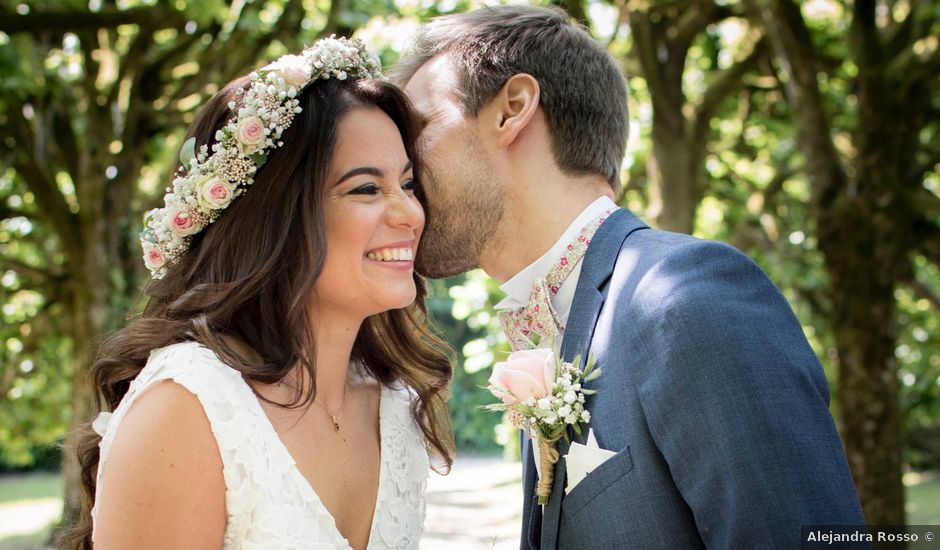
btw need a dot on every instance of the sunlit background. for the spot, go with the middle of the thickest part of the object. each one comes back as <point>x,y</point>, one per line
<point>803,133</point>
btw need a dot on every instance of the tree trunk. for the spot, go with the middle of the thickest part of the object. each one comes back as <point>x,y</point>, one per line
<point>83,315</point>
<point>866,235</point>
<point>865,223</point>
<point>662,37</point>
<point>676,177</point>
<point>863,322</point>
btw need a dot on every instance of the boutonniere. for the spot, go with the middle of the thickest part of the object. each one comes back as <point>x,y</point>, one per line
<point>543,396</point>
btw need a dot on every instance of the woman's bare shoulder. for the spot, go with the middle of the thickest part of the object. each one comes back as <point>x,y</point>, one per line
<point>162,486</point>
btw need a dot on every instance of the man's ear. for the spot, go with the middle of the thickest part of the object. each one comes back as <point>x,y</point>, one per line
<point>516,104</point>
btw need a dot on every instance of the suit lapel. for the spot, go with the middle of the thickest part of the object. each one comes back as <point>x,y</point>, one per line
<point>532,512</point>
<point>588,298</point>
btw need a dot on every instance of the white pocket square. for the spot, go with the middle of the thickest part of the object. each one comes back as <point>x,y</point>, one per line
<point>583,459</point>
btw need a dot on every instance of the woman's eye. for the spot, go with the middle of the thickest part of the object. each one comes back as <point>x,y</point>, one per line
<point>367,189</point>
<point>410,185</point>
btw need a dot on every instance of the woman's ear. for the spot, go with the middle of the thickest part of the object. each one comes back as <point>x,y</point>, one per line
<point>515,104</point>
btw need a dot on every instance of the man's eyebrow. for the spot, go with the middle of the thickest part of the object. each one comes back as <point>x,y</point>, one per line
<point>361,171</point>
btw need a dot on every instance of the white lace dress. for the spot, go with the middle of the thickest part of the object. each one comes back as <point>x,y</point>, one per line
<point>269,504</point>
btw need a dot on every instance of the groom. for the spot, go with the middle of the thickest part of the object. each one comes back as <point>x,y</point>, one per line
<point>712,405</point>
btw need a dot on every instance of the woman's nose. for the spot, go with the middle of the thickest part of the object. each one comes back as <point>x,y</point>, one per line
<point>406,211</point>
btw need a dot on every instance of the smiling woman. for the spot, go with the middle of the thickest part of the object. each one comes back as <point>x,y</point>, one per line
<point>281,387</point>
<point>373,219</point>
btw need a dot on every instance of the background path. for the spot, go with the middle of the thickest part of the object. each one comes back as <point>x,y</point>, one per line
<point>477,506</point>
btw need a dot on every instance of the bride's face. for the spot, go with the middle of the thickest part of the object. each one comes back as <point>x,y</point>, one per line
<point>373,219</point>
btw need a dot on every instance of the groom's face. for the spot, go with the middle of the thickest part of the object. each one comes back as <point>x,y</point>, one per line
<point>463,191</point>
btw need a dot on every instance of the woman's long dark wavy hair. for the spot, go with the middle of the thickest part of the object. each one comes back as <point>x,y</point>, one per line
<point>250,275</point>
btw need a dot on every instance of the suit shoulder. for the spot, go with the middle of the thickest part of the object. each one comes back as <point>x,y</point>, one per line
<point>657,269</point>
<point>658,246</point>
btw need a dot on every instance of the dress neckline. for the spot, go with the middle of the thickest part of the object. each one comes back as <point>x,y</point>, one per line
<point>305,484</point>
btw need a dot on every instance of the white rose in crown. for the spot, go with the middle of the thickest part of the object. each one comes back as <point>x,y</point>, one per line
<point>215,194</point>
<point>544,396</point>
<point>294,69</point>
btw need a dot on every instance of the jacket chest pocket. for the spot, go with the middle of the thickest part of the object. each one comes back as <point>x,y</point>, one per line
<point>597,482</point>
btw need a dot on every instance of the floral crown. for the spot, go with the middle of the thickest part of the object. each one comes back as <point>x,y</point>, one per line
<point>208,182</point>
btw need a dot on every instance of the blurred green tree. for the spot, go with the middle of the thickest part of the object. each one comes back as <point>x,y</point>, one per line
<point>873,214</point>
<point>95,96</point>
<point>822,122</point>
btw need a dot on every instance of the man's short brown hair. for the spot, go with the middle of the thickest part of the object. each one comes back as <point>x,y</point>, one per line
<point>582,89</point>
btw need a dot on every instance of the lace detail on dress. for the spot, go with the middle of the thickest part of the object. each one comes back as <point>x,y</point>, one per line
<point>269,504</point>
<point>400,506</point>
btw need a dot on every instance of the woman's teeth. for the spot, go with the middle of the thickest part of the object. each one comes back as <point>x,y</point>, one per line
<point>391,255</point>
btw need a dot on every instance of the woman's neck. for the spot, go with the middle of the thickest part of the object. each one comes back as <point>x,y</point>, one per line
<point>334,342</point>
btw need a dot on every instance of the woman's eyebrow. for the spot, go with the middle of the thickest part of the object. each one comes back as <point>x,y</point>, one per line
<point>362,171</point>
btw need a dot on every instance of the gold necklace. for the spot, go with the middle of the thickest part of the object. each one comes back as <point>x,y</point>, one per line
<point>332,414</point>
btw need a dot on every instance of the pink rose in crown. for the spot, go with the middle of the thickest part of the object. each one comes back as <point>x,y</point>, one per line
<point>153,257</point>
<point>524,374</point>
<point>182,222</point>
<point>250,133</point>
<point>215,194</point>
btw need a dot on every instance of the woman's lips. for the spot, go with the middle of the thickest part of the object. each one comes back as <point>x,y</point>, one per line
<point>398,256</point>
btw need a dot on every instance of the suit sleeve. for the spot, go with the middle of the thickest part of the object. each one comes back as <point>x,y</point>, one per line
<point>737,402</point>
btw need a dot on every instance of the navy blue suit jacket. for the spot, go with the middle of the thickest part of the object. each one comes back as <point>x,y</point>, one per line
<point>715,403</point>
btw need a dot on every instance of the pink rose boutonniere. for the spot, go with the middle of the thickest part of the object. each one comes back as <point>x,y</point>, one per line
<point>544,396</point>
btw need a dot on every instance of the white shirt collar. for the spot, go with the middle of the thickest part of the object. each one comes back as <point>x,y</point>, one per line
<point>519,287</point>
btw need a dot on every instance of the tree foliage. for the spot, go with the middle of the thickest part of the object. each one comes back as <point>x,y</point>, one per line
<point>832,125</point>
<point>95,102</point>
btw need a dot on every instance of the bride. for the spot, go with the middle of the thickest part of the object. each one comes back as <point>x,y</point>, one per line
<point>281,389</point>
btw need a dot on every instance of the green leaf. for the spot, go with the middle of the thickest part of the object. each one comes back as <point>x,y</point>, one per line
<point>577,361</point>
<point>188,152</point>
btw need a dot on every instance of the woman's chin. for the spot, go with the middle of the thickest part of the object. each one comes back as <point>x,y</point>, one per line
<point>406,300</point>
<point>397,299</point>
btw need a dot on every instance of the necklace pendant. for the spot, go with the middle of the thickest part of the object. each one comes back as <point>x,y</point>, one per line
<point>335,423</point>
